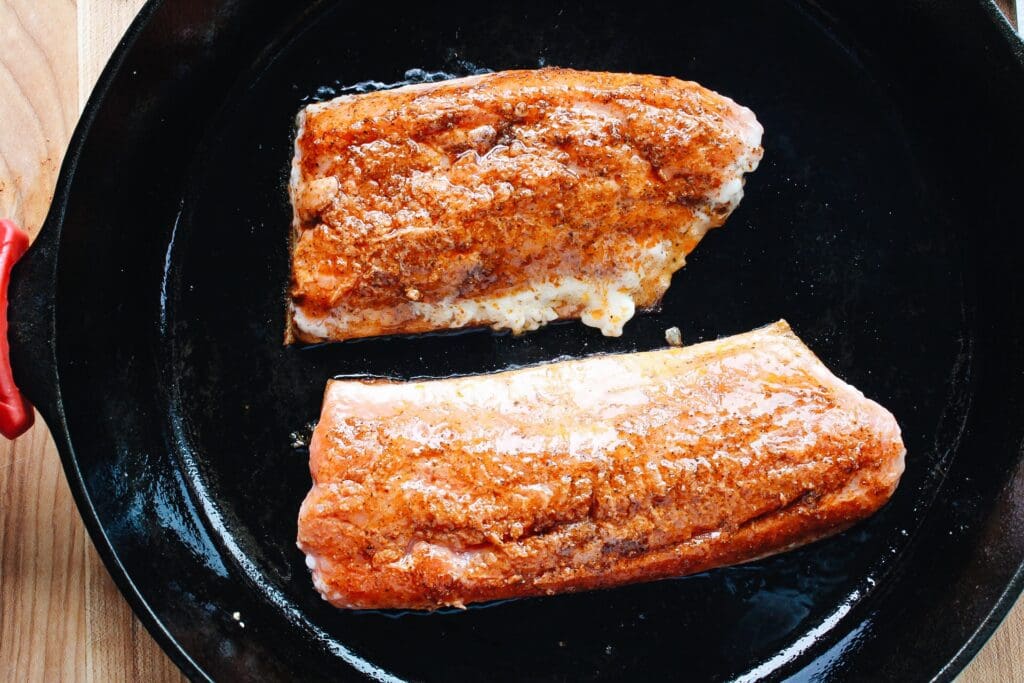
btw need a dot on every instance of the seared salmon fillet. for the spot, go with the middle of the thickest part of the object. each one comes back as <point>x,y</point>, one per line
<point>509,199</point>
<point>587,473</point>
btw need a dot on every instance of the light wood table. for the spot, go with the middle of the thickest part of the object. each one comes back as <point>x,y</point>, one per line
<point>61,617</point>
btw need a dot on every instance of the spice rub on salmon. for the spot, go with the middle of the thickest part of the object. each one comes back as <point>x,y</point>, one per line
<point>508,200</point>
<point>587,473</point>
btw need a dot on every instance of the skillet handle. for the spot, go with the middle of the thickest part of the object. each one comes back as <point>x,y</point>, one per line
<point>16,414</point>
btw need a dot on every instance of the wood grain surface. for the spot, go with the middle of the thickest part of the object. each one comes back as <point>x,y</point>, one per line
<point>61,617</point>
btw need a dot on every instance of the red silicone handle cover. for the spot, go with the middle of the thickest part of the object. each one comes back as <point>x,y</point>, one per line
<point>16,414</point>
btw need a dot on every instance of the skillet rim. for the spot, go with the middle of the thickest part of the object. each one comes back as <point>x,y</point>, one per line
<point>41,262</point>
<point>35,276</point>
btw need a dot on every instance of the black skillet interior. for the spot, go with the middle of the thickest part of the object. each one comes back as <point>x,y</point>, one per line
<point>883,224</point>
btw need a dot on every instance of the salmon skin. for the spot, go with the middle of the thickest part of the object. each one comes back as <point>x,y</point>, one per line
<point>508,200</point>
<point>587,473</point>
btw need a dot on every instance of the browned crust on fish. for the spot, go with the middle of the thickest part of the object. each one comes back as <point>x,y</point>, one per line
<point>453,192</point>
<point>589,473</point>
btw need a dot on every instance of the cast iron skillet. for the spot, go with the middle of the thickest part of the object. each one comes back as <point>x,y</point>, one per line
<point>884,224</point>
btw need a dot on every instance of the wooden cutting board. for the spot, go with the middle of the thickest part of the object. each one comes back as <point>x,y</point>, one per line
<point>61,617</point>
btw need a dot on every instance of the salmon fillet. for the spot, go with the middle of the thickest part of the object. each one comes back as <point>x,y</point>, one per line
<point>509,199</point>
<point>587,473</point>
